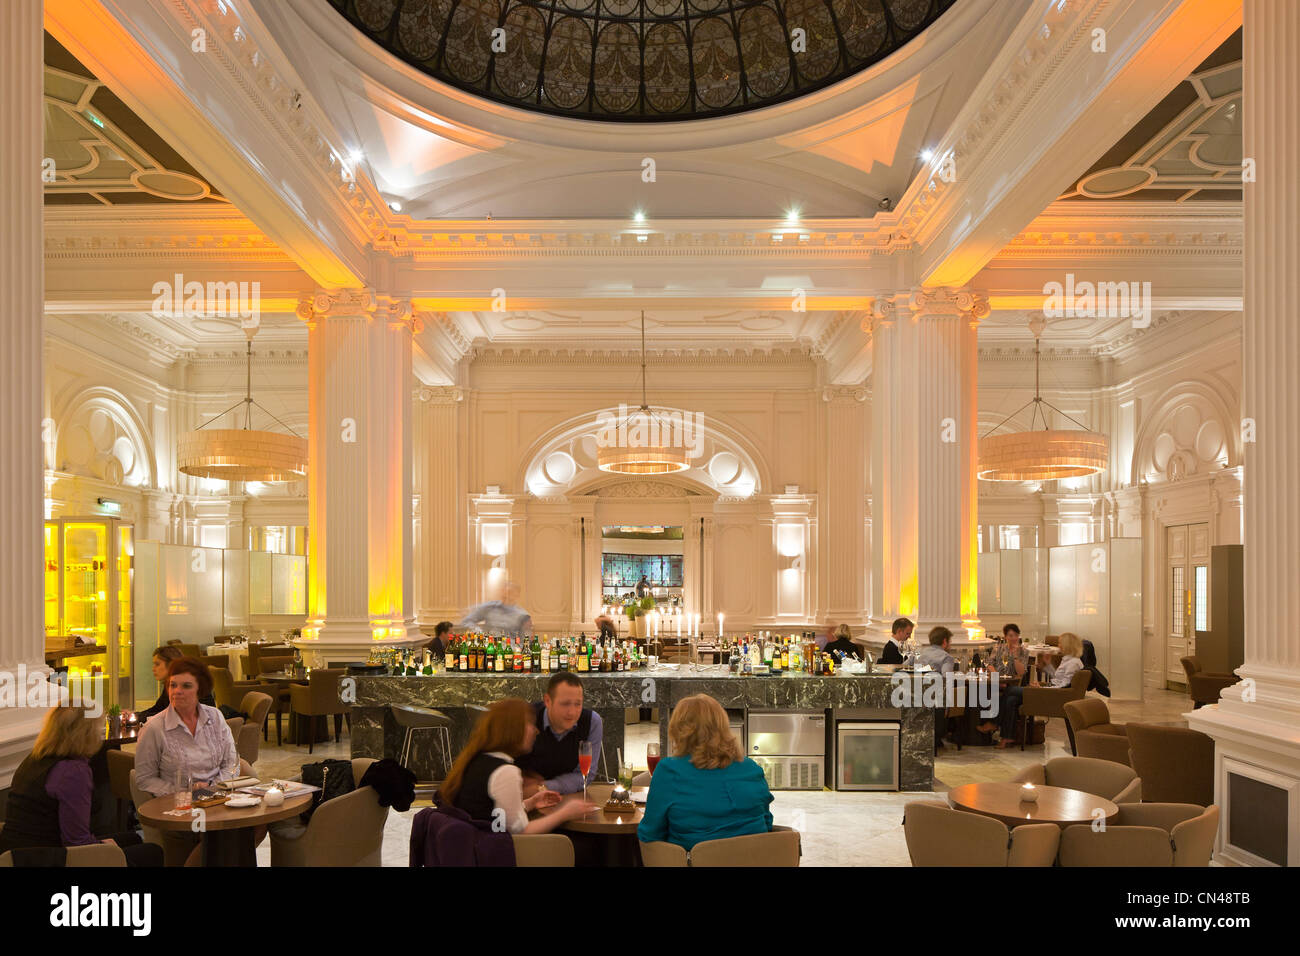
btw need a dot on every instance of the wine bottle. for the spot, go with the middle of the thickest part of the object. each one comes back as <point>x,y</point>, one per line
<point>564,655</point>
<point>537,654</point>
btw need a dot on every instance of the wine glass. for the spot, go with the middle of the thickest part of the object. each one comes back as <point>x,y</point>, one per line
<point>584,763</point>
<point>652,755</point>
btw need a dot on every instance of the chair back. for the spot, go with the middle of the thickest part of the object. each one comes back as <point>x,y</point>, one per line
<point>775,848</point>
<point>347,830</point>
<point>190,650</point>
<point>1105,778</point>
<point>1086,713</point>
<point>223,684</point>
<point>1176,764</point>
<point>542,849</point>
<point>324,690</point>
<point>1194,838</point>
<point>938,835</point>
<point>213,660</point>
<point>96,855</point>
<point>663,854</point>
<point>256,705</point>
<point>1191,665</point>
<point>1081,845</point>
<point>223,638</point>
<point>268,663</point>
<point>120,765</point>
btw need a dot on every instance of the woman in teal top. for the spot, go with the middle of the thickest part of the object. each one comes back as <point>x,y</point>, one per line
<point>708,789</point>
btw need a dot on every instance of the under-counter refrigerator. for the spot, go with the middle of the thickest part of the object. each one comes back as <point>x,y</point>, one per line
<point>790,746</point>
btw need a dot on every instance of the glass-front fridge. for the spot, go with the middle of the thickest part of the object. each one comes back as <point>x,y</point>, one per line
<point>89,615</point>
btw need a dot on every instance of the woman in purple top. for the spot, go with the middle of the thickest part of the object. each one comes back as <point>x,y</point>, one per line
<point>50,797</point>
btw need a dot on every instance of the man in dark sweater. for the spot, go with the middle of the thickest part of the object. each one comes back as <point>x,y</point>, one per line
<point>892,652</point>
<point>562,723</point>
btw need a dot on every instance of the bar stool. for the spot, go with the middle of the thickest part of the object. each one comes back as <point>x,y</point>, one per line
<point>416,719</point>
<point>473,712</point>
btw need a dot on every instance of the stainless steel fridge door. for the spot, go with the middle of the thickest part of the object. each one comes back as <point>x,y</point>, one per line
<point>787,733</point>
<point>866,756</point>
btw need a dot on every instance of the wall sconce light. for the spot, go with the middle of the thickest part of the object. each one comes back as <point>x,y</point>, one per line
<point>495,538</point>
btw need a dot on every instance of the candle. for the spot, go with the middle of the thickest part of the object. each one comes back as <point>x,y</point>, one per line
<point>719,624</point>
<point>679,625</point>
<point>1028,793</point>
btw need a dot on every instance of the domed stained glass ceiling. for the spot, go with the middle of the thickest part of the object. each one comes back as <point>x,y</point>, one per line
<point>641,60</point>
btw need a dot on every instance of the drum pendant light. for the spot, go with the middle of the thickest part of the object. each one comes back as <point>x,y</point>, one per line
<point>1045,455</point>
<point>243,454</point>
<point>635,445</point>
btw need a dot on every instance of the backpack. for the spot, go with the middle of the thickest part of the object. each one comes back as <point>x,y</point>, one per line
<point>334,777</point>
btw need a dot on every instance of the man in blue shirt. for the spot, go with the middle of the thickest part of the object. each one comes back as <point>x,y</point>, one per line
<point>562,723</point>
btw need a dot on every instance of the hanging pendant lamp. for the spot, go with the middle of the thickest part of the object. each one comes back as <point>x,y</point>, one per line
<point>1046,455</point>
<point>243,454</point>
<point>639,448</point>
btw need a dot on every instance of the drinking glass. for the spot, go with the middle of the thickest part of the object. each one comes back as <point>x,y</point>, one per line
<point>182,789</point>
<point>652,755</point>
<point>584,763</point>
<point>625,775</point>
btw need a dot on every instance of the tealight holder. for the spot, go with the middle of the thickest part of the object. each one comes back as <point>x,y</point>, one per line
<point>1029,793</point>
<point>273,797</point>
<point>620,801</point>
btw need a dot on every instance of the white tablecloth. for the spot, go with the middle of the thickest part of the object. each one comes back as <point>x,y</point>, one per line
<point>234,652</point>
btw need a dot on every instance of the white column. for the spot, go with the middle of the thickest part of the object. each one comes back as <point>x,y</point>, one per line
<point>1256,725</point>
<point>436,450</point>
<point>846,477</point>
<point>22,292</point>
<point>946,320</point>
<point>359,473</point>
<point>894,423</point>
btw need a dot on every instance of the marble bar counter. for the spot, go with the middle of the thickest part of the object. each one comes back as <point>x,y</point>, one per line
<point>375,733</point>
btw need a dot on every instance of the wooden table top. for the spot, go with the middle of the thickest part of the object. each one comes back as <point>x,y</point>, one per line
<point>1001,800</point>
<point>598,821</point>
<point>220,817</point>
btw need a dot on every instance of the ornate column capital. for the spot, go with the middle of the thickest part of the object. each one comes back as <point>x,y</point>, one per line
<point>886,310</point>
<point>844,394</point>
<point>329,303</point>
<point>947,302</point>
<point>440,394</point>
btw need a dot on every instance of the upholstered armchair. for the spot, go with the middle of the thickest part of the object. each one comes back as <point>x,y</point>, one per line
<point>1093,733</point>
<point>1051,701</point>
<point>1204,686</point>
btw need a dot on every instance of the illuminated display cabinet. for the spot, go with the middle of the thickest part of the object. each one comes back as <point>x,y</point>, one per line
<point>89,567</point>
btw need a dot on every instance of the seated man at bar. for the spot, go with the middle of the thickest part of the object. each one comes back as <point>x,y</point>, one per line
<point>935,655</point>
<point>892,652</point>
<point>562,723</point>
<point>438,646</point>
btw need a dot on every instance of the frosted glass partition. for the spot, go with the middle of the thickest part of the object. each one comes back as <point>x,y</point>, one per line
<point>259,582</point>
<point>178,596</point>
<point>277,583</point>
<point>1093,591</point>
<point>1014,583</point>
<point>988,571</point>
<point>1009,580</point>
<point>236,584</point>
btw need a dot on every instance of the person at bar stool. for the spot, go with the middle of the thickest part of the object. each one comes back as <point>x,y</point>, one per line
<point>162,659</point>
<point>562,723</point>
<point>900,634</point>
<point>1010,658</point>
<point>707,789</point>
<point>50,798</point>
<point>485,781</point>
<point>843,643</point>
<point>188,738</point>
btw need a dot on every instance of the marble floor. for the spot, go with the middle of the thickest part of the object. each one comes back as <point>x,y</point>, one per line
<point>839,828</point>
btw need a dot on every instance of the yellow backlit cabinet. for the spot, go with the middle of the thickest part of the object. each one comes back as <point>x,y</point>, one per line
<point>88,578</point>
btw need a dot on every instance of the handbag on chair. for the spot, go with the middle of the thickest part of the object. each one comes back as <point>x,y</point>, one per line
<point>334,777</point>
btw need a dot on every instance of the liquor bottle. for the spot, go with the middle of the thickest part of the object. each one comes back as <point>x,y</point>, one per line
<point>500,657</point>
<point>583,660</point>
<point>545,658</point>
<point>767,654</point>
<point>523,658</point>
<point>462,657</point>
<point>507,656</point>
<point>449,655</point>
<point>537,654</point>
<point>776,660</point>
<point>564,655</point>
<point>785,656</point>
<point>606,662</point>
<point>747,662</point>
<point>490,655</point>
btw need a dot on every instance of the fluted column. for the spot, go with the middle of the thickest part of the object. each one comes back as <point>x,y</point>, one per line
<point>359,473</point>
<point>894,424</point>
<point>1256,725</point>
<point>437,454</point>
<point>22,291</point>
<point>946,321</point>
<point>846,475</point>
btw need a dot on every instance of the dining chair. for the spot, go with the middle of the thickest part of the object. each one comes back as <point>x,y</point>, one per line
<point>780,847</point>
<point>223,685</point>
<point>1145,834</point>
<point>247,742</point>
<point>542,849</point>
<point>1103,778</point>
<point>1050,702</point>
<point>320,698</point>
<point>1204,686</point>
<point>1176,763</point>
<point>99,855</point>
<point>345,831</point>
<point>120,765</point>
<point>1093,733</point>
<point>938,835</point>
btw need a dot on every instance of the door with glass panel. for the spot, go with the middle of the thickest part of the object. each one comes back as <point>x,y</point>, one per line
<point>1187,594</point>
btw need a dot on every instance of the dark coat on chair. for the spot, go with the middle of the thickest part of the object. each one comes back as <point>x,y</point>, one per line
<point>1098,682</point>
<point>394,784</point>
<point>448,837</point>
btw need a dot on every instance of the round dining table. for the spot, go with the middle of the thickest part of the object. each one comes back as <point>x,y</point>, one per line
<point>1001,800</point>
<point>604,838</point>
<point>226,832</point>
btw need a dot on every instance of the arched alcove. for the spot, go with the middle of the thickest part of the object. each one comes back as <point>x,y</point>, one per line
<point>100,435</point>
<point>1189,431</point>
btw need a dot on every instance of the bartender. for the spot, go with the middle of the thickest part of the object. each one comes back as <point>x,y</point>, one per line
<point>843,643</point>
<point>643,587</point>
<point>892,652</point>
<point>562,723</point>
<point>502,617</point>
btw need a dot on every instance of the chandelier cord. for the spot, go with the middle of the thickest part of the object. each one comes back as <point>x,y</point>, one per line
<point>1037,401</point>
<point>248,402</point>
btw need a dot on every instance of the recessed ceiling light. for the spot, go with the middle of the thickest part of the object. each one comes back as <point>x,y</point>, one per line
<point>638,216</point>
<point>394,205</point>
<point>927,155</point>
<point>792,214</point>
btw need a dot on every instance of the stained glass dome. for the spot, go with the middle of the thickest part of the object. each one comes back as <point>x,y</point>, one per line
<point>641,60</point>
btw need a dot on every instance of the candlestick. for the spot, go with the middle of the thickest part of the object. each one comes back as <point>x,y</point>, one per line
<point>719,625</point>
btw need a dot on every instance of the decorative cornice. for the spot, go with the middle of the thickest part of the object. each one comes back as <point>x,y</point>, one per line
<point>148,338</point>
<point>450,327</point>
<point>702,356</point>
<point>643,489</point>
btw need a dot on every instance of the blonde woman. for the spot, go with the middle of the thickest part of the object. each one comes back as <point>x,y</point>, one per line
<point>707,789</point>
<point>1071,660</point>
<point>50,797</point>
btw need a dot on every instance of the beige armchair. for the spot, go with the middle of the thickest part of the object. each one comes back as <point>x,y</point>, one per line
<point>938,835</point>
<point>1093,733</point>
<point>223,687</point>
<point>248,741</point>
<point>345,831</point>
<point>1145,834</point>
<point>543,849</point>
<point>1051,701</point>
<point>1176,764</point>
<point>779,847</point>
<point>98,855</point>
<point>1204,686</point>
<point>1104,778</point>
<point>320,698</point>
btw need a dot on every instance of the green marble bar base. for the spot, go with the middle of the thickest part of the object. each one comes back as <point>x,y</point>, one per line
<point>376,734</point>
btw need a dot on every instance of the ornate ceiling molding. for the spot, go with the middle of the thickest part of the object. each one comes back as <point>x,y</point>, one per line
<point>695,356</point>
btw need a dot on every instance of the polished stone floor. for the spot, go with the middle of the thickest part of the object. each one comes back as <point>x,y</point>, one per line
<point>839,828</point>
